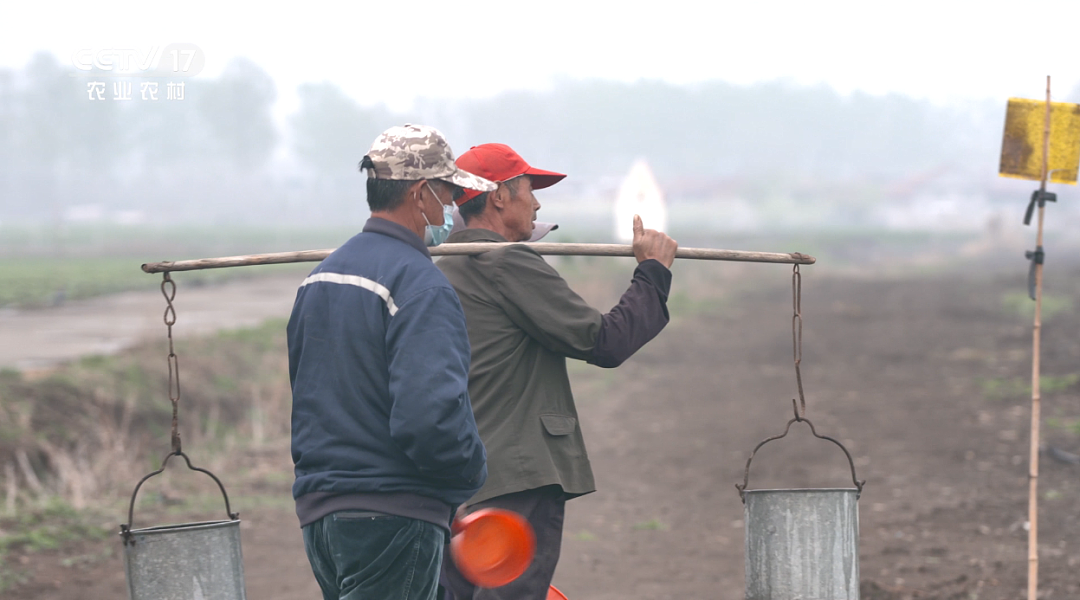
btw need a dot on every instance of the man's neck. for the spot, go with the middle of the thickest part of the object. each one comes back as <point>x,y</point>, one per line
<point>485,221</point>
<point>400,218</point>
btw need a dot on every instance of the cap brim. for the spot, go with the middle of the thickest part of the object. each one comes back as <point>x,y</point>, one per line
<point>542,229</point>
<point>469,181</point>
<point>542,179</point>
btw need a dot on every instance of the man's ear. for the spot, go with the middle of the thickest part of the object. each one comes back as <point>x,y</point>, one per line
<point>500,197</point>
<point>414,191</point>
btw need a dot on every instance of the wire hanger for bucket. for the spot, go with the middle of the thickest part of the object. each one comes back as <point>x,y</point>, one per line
<point>168,290</point>
<point>798,405</point>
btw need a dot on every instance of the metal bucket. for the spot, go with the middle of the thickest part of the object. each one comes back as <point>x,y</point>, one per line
<point>191,561</point>
<point>802,544</point>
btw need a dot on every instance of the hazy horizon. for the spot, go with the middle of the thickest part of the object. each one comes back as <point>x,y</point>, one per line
<point>380,53</point>
<point>854,113</point>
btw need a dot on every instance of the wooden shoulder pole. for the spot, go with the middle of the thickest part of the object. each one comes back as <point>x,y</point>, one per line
<point>479,248</point>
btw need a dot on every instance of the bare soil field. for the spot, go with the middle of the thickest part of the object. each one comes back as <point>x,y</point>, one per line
<point>923,378</point>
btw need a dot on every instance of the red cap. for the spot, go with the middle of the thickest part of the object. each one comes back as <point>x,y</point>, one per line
<point>498,163</point>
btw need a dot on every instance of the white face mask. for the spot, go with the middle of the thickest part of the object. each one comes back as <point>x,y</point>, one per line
<point>435,235</point>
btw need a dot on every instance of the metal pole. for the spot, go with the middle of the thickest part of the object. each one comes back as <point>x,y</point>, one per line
<point>1033,469</point>
<point>479,248</point>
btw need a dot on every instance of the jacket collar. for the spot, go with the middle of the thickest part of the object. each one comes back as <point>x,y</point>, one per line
<point>398,232</point>
<point>475,235</point>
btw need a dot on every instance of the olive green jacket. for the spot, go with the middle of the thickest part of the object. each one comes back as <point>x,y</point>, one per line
<point>523,322</point>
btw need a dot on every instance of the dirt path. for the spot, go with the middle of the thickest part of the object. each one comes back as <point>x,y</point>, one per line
<point>895,369</point>
<point>38,338</point>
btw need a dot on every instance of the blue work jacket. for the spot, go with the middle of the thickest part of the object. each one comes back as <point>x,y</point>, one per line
<point>379,363</point>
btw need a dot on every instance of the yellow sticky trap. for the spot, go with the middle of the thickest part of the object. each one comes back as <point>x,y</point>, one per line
<point>1022,148</point>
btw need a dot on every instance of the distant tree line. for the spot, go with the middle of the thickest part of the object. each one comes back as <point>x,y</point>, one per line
<point>771,130</point>
<point>217,155</point>
<point>63,145</point>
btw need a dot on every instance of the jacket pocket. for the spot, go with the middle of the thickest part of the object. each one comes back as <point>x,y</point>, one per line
<point>559,424</point>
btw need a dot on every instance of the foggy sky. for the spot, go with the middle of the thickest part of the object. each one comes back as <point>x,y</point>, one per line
<point>395,52</point>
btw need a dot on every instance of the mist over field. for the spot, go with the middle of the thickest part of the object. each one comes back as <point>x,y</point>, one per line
<point>751,158</point>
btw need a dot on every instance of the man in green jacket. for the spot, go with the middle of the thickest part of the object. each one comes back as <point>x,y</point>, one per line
<point>524,321</point>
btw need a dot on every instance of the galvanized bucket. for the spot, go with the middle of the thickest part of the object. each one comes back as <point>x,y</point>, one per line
<point>190,561</point>
<point>802,544</point>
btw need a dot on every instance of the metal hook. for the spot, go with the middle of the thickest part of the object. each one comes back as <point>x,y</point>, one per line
<point>125,528</point>
<point>851,463</point>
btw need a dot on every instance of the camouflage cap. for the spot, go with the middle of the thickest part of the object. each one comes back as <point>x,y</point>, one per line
<point>414,152</point>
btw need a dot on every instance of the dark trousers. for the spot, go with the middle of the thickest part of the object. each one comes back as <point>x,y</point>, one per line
<point>356,556</point>
<point>543,508</point>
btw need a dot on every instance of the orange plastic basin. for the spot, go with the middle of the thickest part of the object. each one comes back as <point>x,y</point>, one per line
<point>492,547</point>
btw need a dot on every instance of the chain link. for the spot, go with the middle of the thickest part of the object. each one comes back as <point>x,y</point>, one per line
<point>168,289</point>
<point>796,339</point>
<point>800,404</point>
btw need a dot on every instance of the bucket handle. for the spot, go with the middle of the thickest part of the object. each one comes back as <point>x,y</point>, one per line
<point>799,419</point>
<point>125,529</point>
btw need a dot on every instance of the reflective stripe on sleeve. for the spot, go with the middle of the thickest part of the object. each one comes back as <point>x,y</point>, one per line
<point>362,282</point>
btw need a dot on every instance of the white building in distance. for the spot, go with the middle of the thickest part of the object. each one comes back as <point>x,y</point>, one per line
<point>639,194</point>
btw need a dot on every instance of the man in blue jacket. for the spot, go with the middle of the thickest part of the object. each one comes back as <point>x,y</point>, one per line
<point>384,442</point>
